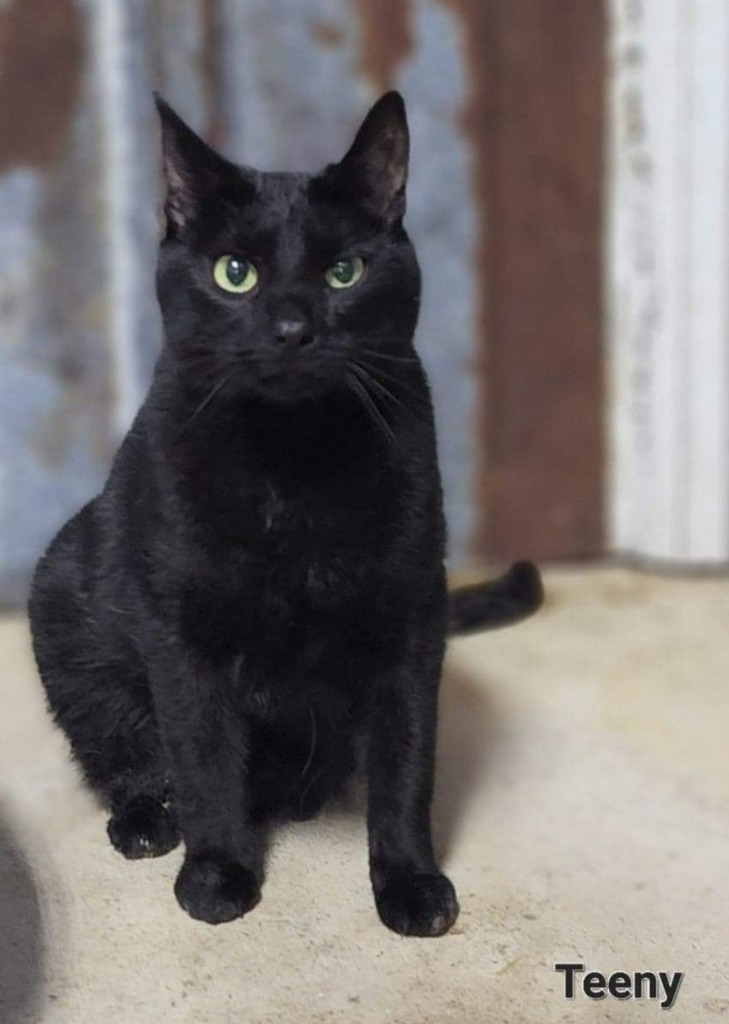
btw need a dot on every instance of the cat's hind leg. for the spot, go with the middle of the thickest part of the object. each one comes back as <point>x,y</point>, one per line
<point>98,695</point>
<point>110,724</point>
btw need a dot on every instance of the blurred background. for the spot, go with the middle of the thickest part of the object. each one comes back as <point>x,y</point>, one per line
<point>570,203</point>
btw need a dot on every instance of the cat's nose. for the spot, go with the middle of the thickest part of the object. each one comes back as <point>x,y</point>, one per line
<point>293,333</point>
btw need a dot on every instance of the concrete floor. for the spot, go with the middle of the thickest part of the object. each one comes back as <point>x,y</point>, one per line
<point>582,812</point>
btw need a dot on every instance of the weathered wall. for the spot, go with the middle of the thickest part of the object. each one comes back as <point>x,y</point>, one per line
<point>55,380</point>
<point>505,106</point>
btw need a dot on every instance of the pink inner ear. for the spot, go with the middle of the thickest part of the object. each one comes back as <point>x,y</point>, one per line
<point>394,157</point>
<point>178,204</point>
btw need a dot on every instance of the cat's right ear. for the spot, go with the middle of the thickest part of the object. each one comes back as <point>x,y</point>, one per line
<point>192,169</point>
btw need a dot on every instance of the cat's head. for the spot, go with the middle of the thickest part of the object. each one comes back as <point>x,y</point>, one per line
<point>276,283</point>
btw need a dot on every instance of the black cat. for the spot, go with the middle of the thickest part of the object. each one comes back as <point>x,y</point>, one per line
<point>261,580</point>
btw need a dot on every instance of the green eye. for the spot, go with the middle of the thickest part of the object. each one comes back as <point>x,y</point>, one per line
<point>345,272</point>
<point>234,274</point>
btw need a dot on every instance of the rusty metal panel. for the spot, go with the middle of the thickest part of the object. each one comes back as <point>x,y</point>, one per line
<point>504,102</point>
<point>536,116</point>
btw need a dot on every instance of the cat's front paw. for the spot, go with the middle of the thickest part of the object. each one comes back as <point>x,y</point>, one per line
<point>143,827</point>
<point>415,903</point>
<point>211,887</point>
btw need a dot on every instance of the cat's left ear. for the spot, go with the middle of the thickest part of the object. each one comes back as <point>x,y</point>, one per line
<point>376,166</point>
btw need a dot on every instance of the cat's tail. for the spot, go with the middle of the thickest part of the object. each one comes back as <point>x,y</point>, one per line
<point>512,597</point>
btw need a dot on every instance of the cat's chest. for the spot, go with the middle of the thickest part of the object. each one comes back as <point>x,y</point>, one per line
<point>347,514</point>
<point>277,512</point>
<point>287,575</point>
<point>272,542</point>
<point>321,547</point>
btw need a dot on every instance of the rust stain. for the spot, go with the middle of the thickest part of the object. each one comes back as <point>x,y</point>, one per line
<point>385,39</point>
<point>41,54</point>
<point>534,119</point>
<point>327,34</point>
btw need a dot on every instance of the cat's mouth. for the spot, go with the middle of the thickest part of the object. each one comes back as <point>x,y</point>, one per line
<point>293,380</point>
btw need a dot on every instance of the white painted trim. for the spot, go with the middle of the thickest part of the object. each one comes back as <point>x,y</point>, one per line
<point>668,279</point>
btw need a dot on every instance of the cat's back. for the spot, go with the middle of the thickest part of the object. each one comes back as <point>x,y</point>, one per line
<point>84,555</point>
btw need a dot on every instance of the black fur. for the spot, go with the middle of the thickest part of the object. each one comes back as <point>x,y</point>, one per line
<point>261,580</point>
